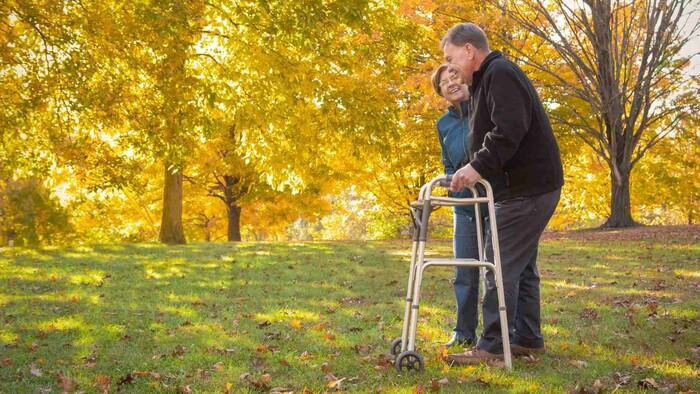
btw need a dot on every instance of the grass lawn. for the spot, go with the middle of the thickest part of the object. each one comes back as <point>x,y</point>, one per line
<point>621,311</point>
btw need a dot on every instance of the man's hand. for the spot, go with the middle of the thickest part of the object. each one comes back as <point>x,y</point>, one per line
<point>464,177</point>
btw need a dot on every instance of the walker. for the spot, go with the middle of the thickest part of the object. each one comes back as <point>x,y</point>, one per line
<point>404,348</point>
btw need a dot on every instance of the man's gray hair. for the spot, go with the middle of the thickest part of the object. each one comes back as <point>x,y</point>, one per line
<point>466,33</point>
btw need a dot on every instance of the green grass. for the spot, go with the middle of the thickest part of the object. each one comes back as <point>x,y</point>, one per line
<point>253,317</point>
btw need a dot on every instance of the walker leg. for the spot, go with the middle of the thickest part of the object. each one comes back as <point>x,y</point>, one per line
<point>416,296</point>
<point>499,288</point>
<point>409,299</point>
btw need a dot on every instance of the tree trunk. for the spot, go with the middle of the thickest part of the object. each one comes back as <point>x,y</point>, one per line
<point>620,207</point>
<point>234,223</point>
<point>232,208</point>
<point>171,231</point>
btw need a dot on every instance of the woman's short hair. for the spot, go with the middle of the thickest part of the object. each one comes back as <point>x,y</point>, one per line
<point>435,78</point>
<point>437,74</point>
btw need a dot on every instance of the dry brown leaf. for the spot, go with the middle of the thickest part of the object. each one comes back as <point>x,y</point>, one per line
<point>648,383</point>
<point>419,389</point>
<point>329,335</point>
<point>598,385</point>
<point>244,376</point>
<point>66,382</point>
<point>577,363</point>
<point>335,383</point>
<point>305,356</point>
<point>179,351</point>
<point>35,371</point>
<point>102,382</point>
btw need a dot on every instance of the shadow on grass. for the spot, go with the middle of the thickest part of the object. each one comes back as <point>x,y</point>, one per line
<point>147,318</point>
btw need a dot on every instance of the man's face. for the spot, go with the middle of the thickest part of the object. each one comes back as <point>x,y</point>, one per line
<point>463,57</point>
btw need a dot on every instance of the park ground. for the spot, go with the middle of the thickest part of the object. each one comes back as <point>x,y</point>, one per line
<point>621,312</point>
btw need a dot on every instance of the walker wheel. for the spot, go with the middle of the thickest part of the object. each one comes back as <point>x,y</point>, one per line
<point>396,346</point>
<point>409,361</point>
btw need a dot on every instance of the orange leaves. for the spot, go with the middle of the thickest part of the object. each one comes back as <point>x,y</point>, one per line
<point>102,382</point>
<point>296,324</point>
<point>328,335</point>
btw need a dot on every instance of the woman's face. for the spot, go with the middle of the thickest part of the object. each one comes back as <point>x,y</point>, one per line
<point>452,88</point>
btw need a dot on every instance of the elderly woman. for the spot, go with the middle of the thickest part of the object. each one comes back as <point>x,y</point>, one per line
<point>453,128</point>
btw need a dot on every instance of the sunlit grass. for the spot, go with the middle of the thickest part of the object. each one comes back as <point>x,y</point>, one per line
<point>202,315</point>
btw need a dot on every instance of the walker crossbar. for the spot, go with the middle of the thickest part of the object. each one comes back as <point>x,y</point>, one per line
<point>404,348</point>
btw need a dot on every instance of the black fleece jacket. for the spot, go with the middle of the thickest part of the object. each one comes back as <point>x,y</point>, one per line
<point>511,142</point>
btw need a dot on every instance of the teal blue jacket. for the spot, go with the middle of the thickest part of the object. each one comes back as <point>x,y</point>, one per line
<point>453,130</point>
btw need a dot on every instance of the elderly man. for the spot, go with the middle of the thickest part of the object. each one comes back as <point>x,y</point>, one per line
<point>511,144</point>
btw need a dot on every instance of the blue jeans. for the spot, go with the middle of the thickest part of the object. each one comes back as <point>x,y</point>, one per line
<point>466,283</point>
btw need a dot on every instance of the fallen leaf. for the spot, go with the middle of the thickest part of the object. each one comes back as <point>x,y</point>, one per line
<point>295,324</point>
<point>128,379</point>
<point>35,371</point>
<point>218,366</point>
<point>577,363</point>
<point>203,373</point>
<point>184,389</point>
<point>179,351</point>
<point>244,376</point>
<point>419,389</point>
<point>361,349</point>
<point>329,335</point>
<point>264,324</point>
<point>579,390</point>
<point>335,383</point>
<point>91,357</point>
<point>305,356</point>
<point>102,382</point>
<point>66,382</point>
<point>622,379</point>
<point>598,385</point>
<point>648,383</point>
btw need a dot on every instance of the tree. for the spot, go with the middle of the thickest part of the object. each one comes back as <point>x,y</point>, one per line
<point>618,78</point>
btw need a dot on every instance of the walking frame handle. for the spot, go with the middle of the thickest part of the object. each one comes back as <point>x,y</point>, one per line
<point>445,181</point>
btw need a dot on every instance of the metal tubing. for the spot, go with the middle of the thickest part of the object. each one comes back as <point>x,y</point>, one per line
<point>419,263</point>
<point>498,277</point>
<point>409,299</point>
<point>416,297</point>
<point>480,241</point>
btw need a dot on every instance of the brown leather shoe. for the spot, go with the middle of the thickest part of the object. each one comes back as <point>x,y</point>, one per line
<point>474,356</point>
<point>518,350</point>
